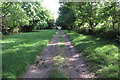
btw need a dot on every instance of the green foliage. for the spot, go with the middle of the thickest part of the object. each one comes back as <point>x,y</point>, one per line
<point>97,18</point>
<point>14,15</point>
<point>66,18</point>
<point>61,45</point>
<point>102,55</point>
<point>20,50</point>
<point>38,15</point>
<point>60,37</point>
<point>26,16</point>
<point>59,60</point>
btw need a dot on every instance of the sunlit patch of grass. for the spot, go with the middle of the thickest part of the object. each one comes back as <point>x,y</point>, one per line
<point>59,59</point>
<point>101,54</point>
<point>56,73</point>
<point>8,41</point>
<point>60,39</point>
<point>20,50</point>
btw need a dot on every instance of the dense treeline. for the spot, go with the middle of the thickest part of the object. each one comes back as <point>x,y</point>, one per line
<point>97,18</point>
<point>25,17</point>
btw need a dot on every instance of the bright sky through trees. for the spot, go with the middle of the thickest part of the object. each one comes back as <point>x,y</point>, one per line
<point>53,5</point>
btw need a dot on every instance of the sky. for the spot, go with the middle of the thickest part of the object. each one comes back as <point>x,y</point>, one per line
<point>52,5</point>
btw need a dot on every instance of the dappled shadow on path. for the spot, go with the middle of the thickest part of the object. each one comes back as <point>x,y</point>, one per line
<point>75,65</point>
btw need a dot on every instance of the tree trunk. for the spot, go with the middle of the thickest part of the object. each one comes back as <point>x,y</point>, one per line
<point>91,27</point>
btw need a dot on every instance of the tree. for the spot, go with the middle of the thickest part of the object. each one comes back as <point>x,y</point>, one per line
<point>14,16</point>
<point>98,18</point>
<point>67,17</point>
<point>24,16</point>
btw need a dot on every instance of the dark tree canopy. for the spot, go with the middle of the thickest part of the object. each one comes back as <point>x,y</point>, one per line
<point>99,18</point>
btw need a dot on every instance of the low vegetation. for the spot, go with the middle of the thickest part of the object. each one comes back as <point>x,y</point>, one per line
<point>101,54</point>
<point>61,45</point>
<point>60,37</point>
<point>59,60</point>
<point>20,50</point>
<point>56,73</point>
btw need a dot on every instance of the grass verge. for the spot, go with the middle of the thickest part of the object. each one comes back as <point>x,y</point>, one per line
<point>102,55</point>
<point>59,59</point>
<point>20,50</point>
<point>61,45</point>
<point>60,37</point>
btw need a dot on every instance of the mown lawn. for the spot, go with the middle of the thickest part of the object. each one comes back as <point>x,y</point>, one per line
<point>20,50</point>
<point>102,55</point>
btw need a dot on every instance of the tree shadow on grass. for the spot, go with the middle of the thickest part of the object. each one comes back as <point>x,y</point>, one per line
<point>20,50</point>
<point>20,57</point>
<point>101,54</point>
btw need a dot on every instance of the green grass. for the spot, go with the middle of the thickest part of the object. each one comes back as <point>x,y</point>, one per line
<point>59,59</point>
<point>102,55</point>
<point>60,37</point>
<point>20,50</point>
<point>56,73</point>
<point>61,45</point>
<point>60,40</point>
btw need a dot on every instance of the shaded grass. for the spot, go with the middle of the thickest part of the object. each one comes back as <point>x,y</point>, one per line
<point>60,37</point>
<point>61,45</point>
<point>101,54</point>
<point>60,40</point>
<point>20,50</point>
<point>56,73</point>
